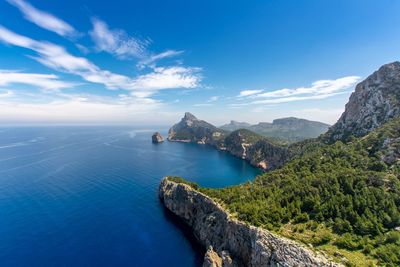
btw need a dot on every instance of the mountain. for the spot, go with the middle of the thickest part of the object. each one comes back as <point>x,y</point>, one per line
<point>339,193</point>
<point>235,125</point>
<point>191,129</point>
<point>250,146</point>
<point>285,129</point>
<point>374,102</point>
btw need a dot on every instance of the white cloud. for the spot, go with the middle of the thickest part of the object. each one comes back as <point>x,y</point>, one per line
<point>213,99</point>
<point>6,93</point>
<point>43,81</point>
<point>318,90</point>
<point>294,98</point>
<point>321,87</point>
<point>56,57</point>
<point>150,60</point>
<point>249,92</point>
<point>117,42</point>
<point>169,77</point>
<point>78,110</point>
<point>44,19</point>
<point>202,105</point>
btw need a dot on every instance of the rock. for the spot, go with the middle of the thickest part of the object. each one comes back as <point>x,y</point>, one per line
<point>375,101</point>
<point>157,138</point>
<point>212,259</point>
<point>245,144</point>
<point>246,245</point>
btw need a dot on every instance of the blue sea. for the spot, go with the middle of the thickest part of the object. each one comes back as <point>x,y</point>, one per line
<point>87,196</point>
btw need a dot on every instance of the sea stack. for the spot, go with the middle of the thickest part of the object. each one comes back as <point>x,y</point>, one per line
<point>157,138</point>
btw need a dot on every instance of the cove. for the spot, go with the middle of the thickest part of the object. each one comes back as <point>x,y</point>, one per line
<point>87,196</point>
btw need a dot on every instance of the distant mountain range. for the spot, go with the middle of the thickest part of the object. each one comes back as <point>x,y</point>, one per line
<point>286,129</point>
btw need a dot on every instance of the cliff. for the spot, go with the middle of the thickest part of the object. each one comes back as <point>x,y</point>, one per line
<point>375,101</point>
<point>191,129</point>
<point>157,138</point>
<point>232,242</point>
<point>256,149</point>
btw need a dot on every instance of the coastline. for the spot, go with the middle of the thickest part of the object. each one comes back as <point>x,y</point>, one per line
<point>234,241</point>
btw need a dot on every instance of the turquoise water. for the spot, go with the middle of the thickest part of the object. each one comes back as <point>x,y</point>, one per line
<point>87,196</point>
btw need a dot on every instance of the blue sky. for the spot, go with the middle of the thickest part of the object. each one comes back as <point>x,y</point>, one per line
<point>147,62</point>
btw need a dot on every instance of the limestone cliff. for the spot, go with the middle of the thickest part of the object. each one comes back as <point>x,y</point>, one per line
<point>374,102</point>
<point>254,148</point>
<point>232,242</point>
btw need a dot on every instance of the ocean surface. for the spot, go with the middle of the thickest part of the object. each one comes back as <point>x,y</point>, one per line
<point>87,196</point>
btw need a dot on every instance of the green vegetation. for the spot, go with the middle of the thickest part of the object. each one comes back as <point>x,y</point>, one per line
<point>342,198</point>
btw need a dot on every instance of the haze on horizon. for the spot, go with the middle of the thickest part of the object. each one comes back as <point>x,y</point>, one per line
<point>87,62</point>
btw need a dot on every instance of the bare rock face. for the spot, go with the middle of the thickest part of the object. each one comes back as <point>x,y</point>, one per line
<point>375,101</point>
<point>157,138</point>
<point>235,242</point>
<point>212,259</point>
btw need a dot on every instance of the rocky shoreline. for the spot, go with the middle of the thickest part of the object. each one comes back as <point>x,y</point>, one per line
<point>229,241</point>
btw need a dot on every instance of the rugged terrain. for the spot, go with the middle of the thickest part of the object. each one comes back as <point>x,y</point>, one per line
<point>287,130</point>
<point>256,149</point>
<point>232,242</point>
<point>339,193</point>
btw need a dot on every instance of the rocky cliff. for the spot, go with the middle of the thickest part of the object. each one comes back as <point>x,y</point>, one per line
<point>157,138</point>
<point>191,129</point>
<point>256,149</point>
<point>232,242</point>
<point>374,102</point>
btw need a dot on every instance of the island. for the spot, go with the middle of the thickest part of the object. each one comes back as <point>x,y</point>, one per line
<point>157,138</point>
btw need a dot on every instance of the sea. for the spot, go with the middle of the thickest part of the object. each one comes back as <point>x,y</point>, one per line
<point>88,196</point>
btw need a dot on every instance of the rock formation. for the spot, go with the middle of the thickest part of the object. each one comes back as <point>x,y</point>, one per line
<point>157,138</point>
<point>256,149</point>
<point>375,101</point>
<point>233,243</point>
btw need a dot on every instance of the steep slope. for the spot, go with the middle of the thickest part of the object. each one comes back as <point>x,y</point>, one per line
<point>285,129</point>
<point>375,101</point>
<point>258,150</point>
<point>191,129</point>
<point>235,125</point>
<point>341,197</point>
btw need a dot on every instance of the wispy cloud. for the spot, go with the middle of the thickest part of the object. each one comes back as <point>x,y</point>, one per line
<point>43,81</point>
<point>150,60</point>
<point>213,99</point>
<point>117,42</point>
<point>320,89</point>
<point>43,19</point>
<point>57,58</point>
<point>245,93</point>
<point>6,93</point>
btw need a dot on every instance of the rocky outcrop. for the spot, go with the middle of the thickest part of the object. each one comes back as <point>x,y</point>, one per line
<point>375,101</point>
<point>236,242</point>
<point>191,129</point>
<point>157,138</point>
<point>256,149</point>
<point>259,151</point>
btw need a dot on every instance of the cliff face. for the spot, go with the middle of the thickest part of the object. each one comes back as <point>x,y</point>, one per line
<point>256,149</point>
<point>191,129</point>
<point>375,101</point>
<point>234,242</point>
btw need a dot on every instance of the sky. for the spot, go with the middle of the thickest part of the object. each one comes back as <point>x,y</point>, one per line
<point>147,62</point>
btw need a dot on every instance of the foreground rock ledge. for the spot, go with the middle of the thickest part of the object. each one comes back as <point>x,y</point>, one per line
<point>236,243</point>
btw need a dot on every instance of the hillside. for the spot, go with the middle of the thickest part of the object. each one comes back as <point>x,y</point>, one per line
<point>339,193</point>
<point>286,129</point>
<point>254,148</point>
